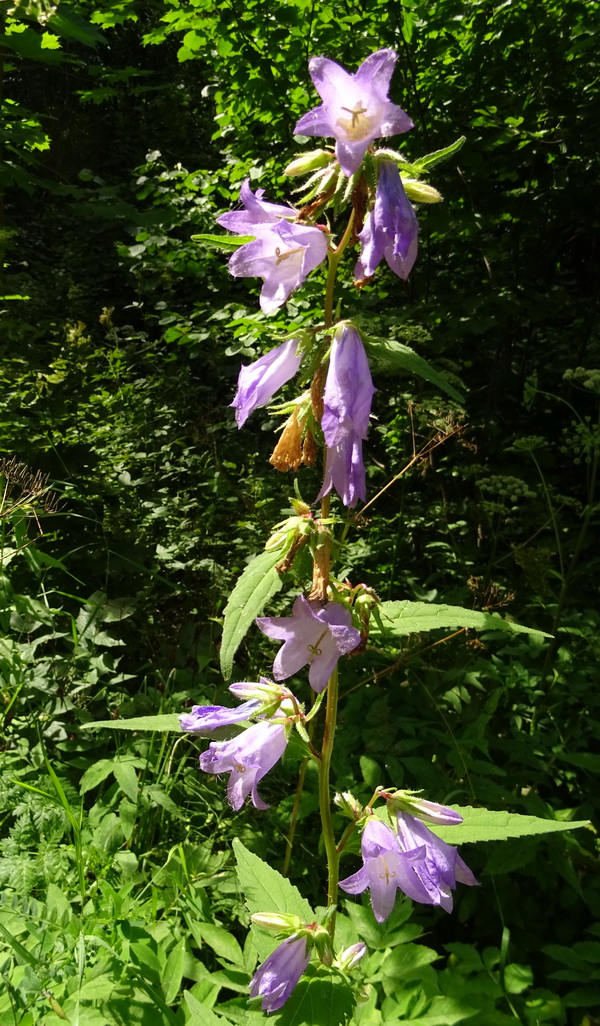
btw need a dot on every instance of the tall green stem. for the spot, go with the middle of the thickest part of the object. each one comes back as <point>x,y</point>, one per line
<point>324,796</point>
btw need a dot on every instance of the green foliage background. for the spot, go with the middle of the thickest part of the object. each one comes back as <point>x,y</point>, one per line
<point>127,127</point>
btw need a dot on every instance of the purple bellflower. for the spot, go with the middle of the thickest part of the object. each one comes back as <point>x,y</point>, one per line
<point>347,406</point>
<point>246,758</point>
<point>258,382</point>
<point>283,254</point>
<point>276,978</point>
<point>208,717</point>
<point>355,109</point>
<point>441,866</point>
<point>256,212</point>
<point>314,635</point>
<point>390,229</point>
<point>385,870</point>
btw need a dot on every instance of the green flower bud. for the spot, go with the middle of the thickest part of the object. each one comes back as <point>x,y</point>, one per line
<point>278,922</point>
<point>348,804</point>
<point>308,162</point>
<point>419,192</point>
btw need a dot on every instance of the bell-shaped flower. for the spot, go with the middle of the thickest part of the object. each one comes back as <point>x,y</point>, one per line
<point>314,635</point>
<point>346,410</point>
<point>246,758</point>
<point>385,870</point>
<point>258,381</point>
<point>355,109</point>
<point>282,254</point>
<point>276,978</point>
<point>390,229</point>
<point>204,718</point>
<point>440,867</point>
<point>256,212</point>
<point>429,812</point>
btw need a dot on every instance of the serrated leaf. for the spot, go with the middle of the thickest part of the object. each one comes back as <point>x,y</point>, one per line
<point>390,356</point>
<point>224,241</point>
<point>266,890</point>
<point>431,159</point>
<point>483,825</point>
<point>168,721</point>
<point>403,618</point>
<point>258,583</point>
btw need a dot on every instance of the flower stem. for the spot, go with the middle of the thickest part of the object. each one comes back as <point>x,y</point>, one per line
<point>324,797</point>
<point>334,257</point>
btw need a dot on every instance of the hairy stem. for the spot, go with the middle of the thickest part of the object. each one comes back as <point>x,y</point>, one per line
<point>324,797</point>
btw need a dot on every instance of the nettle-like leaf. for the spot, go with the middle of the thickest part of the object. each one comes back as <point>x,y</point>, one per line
<point>438,156</point>
<point>227,242</point>
<point>266,890</point>
<point>391,357</point>
<point>258,583</point>
<point>483,825</point>
<point>164,722</point>
<point>403,618</point>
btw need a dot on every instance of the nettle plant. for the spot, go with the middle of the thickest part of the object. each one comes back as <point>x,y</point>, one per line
<point>404,841</point>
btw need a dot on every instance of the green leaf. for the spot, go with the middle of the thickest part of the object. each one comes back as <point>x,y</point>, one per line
<point>168,721</point>
<point>221,941</point>
<point>127,780</point>
<point>483,825</point>
<point>431,159</point>
<point>389,356</point>
<point>443,1011</point>
<point>200,1015</point>
<point>321,1000</point>
<point>266,890</point>
<point>173,972</point>
<point>403,618</point>
<point>406,960</point>
<point>95,773</point>
<point>224,241</point>
<point>258,583</point>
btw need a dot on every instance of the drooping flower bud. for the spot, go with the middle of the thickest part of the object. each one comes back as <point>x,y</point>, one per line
<point>307,162</point>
